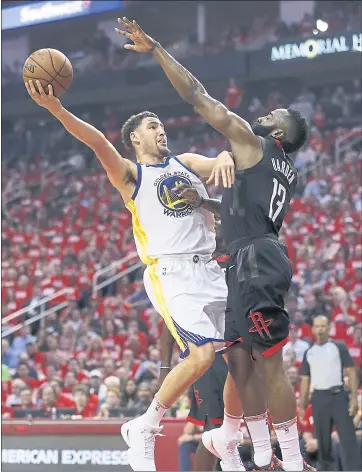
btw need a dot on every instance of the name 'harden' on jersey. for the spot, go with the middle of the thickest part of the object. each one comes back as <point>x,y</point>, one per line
<point>259,200</point>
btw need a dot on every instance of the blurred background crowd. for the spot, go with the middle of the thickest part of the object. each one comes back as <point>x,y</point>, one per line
<point>104,51</point>
<point>90,347</point>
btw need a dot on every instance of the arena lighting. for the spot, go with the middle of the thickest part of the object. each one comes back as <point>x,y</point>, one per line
<point>322,25</point>
<point>33,13</point>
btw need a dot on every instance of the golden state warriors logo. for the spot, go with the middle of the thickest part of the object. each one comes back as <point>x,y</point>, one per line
<point>173,205</point>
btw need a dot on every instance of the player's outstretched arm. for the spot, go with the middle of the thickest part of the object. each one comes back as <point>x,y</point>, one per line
<point>192,197</point>
<point>121,172</point>
<point>233,127</point>
<point>220,168</point>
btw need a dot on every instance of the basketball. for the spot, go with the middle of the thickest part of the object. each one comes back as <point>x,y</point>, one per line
<point>49,66</point>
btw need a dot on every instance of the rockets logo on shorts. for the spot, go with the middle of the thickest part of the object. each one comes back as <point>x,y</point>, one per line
<point>173,205</point>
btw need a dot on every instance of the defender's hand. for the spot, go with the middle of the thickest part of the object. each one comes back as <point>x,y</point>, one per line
<point>188,194</point>
<point>224,169</point>
<point>50,102</point>
<point>142,42</point>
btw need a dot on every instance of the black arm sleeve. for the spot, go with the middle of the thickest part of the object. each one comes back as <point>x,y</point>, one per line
<point>346,358</point>
<point>304,368</point>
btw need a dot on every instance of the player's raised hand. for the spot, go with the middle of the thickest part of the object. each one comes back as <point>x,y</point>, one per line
<point>224,170</point>
<point>131,30</point>
<point>188,194</point>
<point>48,101</point>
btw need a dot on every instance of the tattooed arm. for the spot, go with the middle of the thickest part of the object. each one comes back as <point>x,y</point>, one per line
<point>246,147</point>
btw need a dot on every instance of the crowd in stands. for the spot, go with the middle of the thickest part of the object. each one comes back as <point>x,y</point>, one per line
<point>99,52</point>
<point>63,221</point>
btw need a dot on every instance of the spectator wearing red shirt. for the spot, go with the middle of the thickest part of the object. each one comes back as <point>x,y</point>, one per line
<point>61,401</point>
<point>355,346</point>
<point>84,407</point>
<point>70,381</point>
<point>23,291</point>
<point>12,304</point>
<point>318,117</point>
<point>58,280</point>
<point>111,340</point>
<point>234,95</point>
<point>293,376</point>
<point>96,353</point>
<point>129,362</point>
<point>35,356</point>
<point>304,330</point>
<point>109,367</point>
<point>23,373</point>
<point>74,365</point>
<point>48,399</point>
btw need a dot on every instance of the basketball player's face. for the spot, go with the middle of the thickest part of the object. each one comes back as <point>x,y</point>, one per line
<point>152,137</point>
<point>269,125</point>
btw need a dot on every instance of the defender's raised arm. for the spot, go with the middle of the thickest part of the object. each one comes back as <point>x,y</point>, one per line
<point>232,126</point>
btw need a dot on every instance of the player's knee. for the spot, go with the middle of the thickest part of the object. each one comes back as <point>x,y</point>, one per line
<point>274,367</point>
<point>237,357</point>
<point>202,356</point>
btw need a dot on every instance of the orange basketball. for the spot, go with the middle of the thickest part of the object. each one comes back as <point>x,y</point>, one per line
<point>49,66</point>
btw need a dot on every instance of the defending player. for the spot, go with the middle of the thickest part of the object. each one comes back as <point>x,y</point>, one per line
<point>259,271</point>
<point>175,242</point>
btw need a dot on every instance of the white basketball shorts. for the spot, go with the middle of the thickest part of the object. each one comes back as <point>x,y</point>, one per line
<point>190,293</point>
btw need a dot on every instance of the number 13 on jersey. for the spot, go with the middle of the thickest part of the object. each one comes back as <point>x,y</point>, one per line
<point>277,199</point>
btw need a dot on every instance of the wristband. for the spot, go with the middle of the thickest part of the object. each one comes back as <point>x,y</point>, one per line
<point>201,202</point>
<point>165,367</point>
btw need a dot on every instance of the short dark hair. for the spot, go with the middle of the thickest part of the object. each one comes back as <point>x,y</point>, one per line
<point>297,133</point>
<point>131,124</point>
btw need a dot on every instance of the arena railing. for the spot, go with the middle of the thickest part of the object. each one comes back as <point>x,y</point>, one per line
<point>8,330</point>
<point>348,140</point>
<point>111,267</point>
<point>33,319</point>
<point>40,304</point>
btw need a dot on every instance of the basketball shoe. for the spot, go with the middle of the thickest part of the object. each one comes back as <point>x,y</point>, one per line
<point>224,448</point>
<point>140,437</point>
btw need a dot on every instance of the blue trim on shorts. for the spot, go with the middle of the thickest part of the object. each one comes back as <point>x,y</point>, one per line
<point>197,339</point>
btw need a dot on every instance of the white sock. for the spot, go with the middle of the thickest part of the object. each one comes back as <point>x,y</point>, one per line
<point>156,411</point>
<point>260,437</point>
<point>287,434</point>
<point>231,424</point>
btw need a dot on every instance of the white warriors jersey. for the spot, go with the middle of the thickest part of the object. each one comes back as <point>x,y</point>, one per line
<point>164,225</point>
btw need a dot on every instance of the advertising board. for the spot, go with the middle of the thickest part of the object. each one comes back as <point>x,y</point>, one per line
<point>34,13</point>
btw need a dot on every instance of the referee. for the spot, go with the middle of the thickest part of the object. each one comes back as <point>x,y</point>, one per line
<point>322,369</point>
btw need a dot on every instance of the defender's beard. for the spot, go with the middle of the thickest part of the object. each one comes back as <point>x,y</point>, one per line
<point>260,130</point>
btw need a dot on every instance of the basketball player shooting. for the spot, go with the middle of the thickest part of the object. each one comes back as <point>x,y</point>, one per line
<point>176,243</point>
<point>259,272</point>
